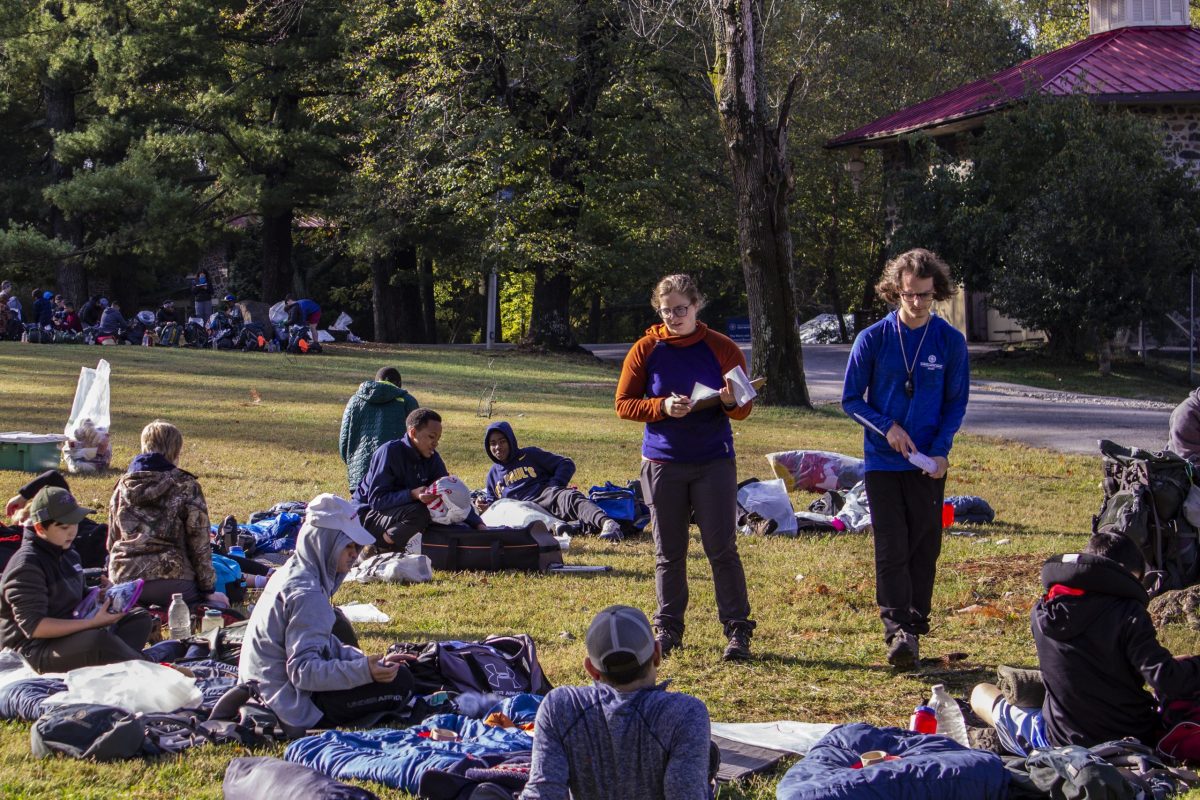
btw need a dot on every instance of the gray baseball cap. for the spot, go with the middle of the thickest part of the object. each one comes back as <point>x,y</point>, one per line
<point>619,630</point>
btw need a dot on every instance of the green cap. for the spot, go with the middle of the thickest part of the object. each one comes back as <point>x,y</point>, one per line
<point>55,504</point>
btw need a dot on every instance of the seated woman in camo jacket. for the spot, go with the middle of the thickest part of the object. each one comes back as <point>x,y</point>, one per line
<point>158,525</point>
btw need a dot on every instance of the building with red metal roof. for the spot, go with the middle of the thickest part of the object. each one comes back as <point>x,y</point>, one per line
<point>1140,54</point>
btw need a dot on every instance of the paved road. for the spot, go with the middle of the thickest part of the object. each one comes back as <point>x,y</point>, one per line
<point>1058,421</point>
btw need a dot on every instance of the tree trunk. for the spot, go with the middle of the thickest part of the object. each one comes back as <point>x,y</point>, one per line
<point>550,315</point>
<point>428,306</point>
<point>594,314</point>
<point>70,274</point>
<point>407,283</point>
<point>384,300</point>
<point>762,185</point>
<point>276,254</point>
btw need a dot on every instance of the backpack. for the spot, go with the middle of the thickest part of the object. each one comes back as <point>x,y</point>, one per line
<point>194,335</point>
<point>229,577</point>
<point>502,665</point>
<point>300,340</point>
<point>36,334</point>
<point>1181,718</point>
<point>169,335</point>
<point>1144,494</point>
<point>108,733</point>
<point>622,503</point>
<point>251,338</point>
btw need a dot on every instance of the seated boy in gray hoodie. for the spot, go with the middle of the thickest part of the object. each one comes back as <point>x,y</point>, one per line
<point>307,676</point>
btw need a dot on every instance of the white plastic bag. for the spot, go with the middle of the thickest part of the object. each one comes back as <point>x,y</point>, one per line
<point>343,322</point>
<point>392,568</point>
<point>87,447</point>
<point>451,502</point>
<point>364,612</point>
<point>855,514</point>
<point>508,513</point>
<point>816,470</point>
<point>135,686</point>
<point>769,499</point>
<point>278,313</point>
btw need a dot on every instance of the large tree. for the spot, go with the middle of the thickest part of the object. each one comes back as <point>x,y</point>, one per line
<point>1069,213</point>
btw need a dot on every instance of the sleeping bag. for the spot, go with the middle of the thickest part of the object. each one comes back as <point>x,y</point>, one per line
<point>929,767</point>
<point>398,758</point>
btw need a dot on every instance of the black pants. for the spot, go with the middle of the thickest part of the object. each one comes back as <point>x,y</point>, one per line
<point>708,490</point>
<point>906,515</point>
<point>571,505</point>
<point>121,641</point>
<point>347,706</point>
<point>401,525</point>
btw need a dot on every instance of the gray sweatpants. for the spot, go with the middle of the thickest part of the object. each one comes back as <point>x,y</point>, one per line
<point>675,492</point>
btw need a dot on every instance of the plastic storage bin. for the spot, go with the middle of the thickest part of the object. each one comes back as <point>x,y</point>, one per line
<point>30,452</point>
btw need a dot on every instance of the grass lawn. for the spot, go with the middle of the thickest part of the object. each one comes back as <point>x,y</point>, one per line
<point>261,428</point>
<point>1161,379</point>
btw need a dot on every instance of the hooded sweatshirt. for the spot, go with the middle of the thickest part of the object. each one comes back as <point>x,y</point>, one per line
<point>289,646</point>
<point>528,470</point>
<point>111,321</point>
<point>1097,647</point>
<point>375,414</point>
<point>158,525</point>
<point>396,469</point>
<point>659,364</point>
<point>41,580</point>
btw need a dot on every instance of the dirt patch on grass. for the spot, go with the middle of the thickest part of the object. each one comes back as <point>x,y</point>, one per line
<point>1020,567</point>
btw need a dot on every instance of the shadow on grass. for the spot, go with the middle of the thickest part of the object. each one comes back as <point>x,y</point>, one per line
<point>766,657</point>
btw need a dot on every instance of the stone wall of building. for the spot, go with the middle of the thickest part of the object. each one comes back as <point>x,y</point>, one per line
<point>1181,133</point>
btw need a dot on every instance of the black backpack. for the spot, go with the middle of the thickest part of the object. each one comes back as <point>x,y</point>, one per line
<point>1144,494</point>
<point>251,338</point>
<point>300,340</point>
<point>194,335</point>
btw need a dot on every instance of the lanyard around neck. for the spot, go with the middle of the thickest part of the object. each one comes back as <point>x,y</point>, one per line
<point>909,386</point>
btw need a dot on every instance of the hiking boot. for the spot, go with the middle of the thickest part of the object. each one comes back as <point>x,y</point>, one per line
<point>228,532</point>
<point>611,531</point>
<point>738,648</point>
<point>903,651</point>
<point>668,641</point>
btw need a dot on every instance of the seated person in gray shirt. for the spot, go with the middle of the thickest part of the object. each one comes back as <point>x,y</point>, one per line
<point>624,736</point>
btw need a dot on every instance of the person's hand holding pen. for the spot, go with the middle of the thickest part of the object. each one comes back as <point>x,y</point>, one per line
<point>677,405</point>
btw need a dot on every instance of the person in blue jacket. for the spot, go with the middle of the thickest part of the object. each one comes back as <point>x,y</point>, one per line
<point>540,477</point>
<point>43,308</point>
<point>303,312</point>
<point>906,383</point>
<point>396,488</point>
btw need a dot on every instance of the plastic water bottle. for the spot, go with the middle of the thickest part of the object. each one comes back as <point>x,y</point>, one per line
<point>923,720</point>
<point>213,619</point>
<point>950,722</point>
<point>146,339</point>
<point>179,618</point>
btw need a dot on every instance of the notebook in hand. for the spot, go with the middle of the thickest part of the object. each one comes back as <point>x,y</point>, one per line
<point>120,596</point>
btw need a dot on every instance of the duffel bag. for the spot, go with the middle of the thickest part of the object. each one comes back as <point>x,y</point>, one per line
<point>492,549</point>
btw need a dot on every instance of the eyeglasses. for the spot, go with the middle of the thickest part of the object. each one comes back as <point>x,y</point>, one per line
<point>912,297</point>
<point>676,311</point>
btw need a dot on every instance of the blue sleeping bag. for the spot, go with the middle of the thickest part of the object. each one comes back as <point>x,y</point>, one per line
<point>930,768</point>
<point>398,758</point>
<point>272,534</point>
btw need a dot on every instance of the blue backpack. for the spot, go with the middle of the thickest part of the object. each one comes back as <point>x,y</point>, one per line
<point>229,577</point>
<point>621,503</point>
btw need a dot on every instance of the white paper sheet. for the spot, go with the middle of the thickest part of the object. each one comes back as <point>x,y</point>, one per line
<point>743,391</point>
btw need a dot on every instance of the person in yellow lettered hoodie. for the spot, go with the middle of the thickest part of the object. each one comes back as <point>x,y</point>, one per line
<point>540,477</point>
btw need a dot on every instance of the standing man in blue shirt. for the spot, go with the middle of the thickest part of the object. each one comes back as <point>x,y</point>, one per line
<point>906,383</point>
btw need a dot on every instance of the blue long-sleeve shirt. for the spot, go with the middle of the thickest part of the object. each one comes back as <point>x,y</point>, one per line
<point>595,743</point>
<point>874,388</point>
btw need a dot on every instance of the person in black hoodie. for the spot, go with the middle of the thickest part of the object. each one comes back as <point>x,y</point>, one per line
<point>1098,649</point>
<point>89,542</point>
<point>396,486</point>
<point>43,584</point>
<point>541,478</point>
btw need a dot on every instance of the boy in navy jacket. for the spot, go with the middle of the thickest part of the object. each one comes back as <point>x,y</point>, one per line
<point>397,485</point>
<point>541,478</point>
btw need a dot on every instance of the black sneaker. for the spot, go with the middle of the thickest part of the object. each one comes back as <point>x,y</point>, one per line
<point>668,641</point>
<point>903,651</point>
<point>738,648</point>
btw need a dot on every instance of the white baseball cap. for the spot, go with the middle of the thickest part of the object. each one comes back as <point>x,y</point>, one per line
<point>331,511</point>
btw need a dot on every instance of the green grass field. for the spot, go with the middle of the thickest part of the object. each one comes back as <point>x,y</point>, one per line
<point>262,428</point>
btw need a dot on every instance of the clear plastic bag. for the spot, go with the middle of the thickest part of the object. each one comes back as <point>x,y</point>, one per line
<point>364,612</point>
<point>136,686</point>
<point>769,499</point>
<point>392,568</point>
<point>87,447</point>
